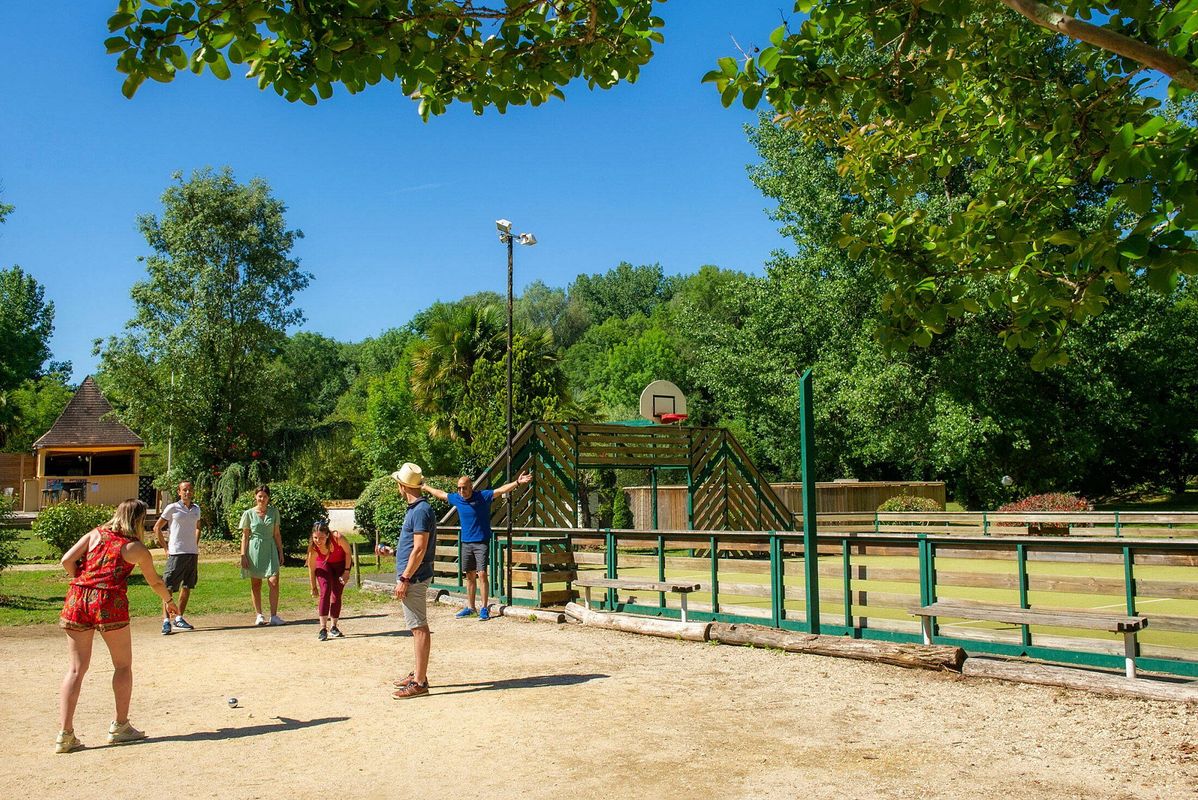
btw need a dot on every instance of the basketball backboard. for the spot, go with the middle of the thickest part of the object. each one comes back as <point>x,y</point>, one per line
<point>662,401</point>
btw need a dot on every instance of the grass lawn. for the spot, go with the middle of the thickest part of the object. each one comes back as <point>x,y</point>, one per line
<point>28,598</point>
<point>32,550</point>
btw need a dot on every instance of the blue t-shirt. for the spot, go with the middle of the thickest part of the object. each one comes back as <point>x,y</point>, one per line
<point>474,514</point>
<point>419,517</point>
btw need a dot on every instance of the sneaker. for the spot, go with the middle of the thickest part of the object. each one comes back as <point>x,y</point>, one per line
<point>484,613</point>
<point>335,632</point>
<point>67,743</point>
<point>413,689</point>
<point>465,612</point>
<point>119,734</point>
<point>183,624</point>
<point>403,683</point>
<point>275,619</point>
<point>323,635</point>
<point>166,627</point>
<point>259,620</point>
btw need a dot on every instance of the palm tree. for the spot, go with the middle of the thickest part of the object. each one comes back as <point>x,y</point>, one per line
<point>458,337</point>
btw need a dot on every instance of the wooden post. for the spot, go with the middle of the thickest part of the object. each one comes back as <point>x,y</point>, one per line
<point>357,564</point>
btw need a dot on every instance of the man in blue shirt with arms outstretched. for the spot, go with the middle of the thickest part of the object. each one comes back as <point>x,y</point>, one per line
<point>474,514</point>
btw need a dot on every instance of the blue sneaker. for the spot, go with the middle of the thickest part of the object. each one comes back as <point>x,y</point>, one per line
<point>183,624</point>
<point>484,613</point>
<point>166,627</point>
<point>465,612</point>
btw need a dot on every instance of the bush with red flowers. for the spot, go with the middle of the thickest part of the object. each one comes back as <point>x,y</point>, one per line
<point>1058,502</point>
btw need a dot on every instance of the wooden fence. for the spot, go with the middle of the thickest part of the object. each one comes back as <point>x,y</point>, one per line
<point>830,496</point>
<point>14,469</point>
<point>867,580</point>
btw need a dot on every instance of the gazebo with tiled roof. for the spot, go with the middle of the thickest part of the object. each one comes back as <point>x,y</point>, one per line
<point>88,455</point>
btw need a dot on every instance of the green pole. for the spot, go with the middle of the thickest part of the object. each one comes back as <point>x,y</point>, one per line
<point>653,500</point>
<point>810,544</point>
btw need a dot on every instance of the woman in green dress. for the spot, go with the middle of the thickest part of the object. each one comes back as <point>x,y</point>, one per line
<point>262,553</point>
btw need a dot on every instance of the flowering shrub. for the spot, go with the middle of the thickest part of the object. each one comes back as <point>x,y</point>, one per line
<point>1054,501</point>
<point>1059,502</point>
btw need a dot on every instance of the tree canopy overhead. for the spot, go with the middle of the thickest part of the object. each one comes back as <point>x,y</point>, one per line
<point>979,134</point>
<point>439,51</point>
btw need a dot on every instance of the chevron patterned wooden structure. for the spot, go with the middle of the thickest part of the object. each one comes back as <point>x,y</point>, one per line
<point>726,491</point>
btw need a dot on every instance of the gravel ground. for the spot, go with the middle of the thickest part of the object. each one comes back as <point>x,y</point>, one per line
<point>537,710</point>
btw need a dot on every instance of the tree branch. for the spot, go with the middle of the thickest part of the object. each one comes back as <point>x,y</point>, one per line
<point>1178,69</point>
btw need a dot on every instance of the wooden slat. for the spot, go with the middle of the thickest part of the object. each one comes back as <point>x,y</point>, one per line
<point>634,584</point>
<point>1032,616</point>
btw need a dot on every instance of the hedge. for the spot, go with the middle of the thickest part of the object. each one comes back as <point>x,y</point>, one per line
<point>298,508</point>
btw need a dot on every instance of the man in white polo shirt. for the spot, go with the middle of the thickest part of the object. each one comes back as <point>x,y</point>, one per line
<point>182,552</point>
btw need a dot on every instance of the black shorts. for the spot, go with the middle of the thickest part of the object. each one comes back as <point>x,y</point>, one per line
<point>182,569</point>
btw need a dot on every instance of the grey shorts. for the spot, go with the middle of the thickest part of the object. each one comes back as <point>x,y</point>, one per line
<point>475,556</point>
<point>415,605</point>
<point>182,569</point>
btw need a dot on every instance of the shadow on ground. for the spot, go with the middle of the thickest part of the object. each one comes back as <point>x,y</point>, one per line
<point>534,682</point>
<point>25,603</point>
<point>284,724</point>
<point>304,621</point>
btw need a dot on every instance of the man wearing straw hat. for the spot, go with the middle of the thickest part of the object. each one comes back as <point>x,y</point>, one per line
<point>414,552</point>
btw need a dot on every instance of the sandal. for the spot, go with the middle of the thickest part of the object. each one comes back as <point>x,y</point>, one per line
<point>413,689</point>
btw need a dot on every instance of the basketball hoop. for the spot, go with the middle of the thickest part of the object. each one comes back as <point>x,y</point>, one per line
<point>663,402</point>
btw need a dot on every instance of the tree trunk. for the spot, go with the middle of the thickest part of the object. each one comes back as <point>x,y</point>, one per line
<point>1072,678</point>
<point>914,656</point>
<point>651,626</point>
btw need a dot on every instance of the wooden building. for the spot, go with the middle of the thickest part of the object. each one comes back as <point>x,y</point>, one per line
<point>87,455</point>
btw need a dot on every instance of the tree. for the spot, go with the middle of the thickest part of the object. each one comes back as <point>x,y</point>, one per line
<point>1011,124</point>
<point>30,409</point>
<point>622,292</point>
<point>458,337</point>
<point>440,51</point>
<point>26,323</point>
<point>965,409</point>
<point>193,363</point>
<point>541,306</point>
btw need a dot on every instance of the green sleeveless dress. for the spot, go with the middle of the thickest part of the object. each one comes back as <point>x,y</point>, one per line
<point>263,554</point>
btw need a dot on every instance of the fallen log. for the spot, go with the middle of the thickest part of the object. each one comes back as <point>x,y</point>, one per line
<point>912,656</point>
<point>518,612</point>
<point>1085,680</point>
<point>652,626</point>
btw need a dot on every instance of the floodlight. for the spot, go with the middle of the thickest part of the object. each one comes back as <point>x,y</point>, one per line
<point>526,239</point>
<point>1007,480</point>
<point>503,225</point>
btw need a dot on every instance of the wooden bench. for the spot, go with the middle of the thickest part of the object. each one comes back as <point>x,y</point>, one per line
<point>1090,620</point>
<point>682,588</point>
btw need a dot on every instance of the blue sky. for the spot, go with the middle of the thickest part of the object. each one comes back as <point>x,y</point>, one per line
<point>396,213</point>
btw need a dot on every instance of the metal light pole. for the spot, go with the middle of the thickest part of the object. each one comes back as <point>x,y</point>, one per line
<point>505,236</point>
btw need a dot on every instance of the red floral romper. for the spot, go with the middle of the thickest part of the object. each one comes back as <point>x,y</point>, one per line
<point>98,596</point>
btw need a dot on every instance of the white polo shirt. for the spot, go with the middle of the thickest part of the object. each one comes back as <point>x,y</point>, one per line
<point>184,523</point>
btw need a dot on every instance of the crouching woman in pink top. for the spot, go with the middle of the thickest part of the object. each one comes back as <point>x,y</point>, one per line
<point>329,561</point>
<point>99,565</point>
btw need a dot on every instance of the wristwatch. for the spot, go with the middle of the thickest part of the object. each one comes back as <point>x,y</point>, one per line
<point>404,578</point>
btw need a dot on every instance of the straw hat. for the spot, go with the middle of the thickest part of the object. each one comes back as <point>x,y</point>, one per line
<point>409,475</point>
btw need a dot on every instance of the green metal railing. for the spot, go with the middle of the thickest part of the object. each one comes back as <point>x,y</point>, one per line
<point>788,568</point>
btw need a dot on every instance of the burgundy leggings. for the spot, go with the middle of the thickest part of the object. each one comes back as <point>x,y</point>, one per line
<point>328,580</point>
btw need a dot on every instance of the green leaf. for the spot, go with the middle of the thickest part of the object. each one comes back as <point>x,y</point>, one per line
<point>1068,238</point>
<point>1133,247</point>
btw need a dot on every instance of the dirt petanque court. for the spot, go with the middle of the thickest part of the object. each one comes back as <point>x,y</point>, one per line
<point>536,710</point>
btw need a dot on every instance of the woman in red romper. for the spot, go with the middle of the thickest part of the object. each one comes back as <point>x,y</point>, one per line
<point>99,565</point>
<point>329,561</point>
